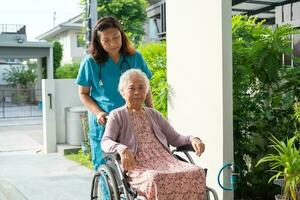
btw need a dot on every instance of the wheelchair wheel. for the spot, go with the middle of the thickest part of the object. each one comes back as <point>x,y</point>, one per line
<point>211,191</point>
<point>110,181</point>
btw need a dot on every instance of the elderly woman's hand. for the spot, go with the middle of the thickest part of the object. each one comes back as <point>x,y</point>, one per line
<point>127,160</point>
<point>198,146</point>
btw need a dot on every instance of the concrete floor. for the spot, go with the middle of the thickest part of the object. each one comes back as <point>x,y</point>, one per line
<point>26,173</point>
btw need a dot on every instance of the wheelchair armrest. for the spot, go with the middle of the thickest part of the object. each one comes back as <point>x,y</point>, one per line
<point>187,147</point>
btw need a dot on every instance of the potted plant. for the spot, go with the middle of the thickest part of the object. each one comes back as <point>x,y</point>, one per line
<point>285,163</point>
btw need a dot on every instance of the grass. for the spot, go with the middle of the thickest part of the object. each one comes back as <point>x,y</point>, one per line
<point>81,158</point>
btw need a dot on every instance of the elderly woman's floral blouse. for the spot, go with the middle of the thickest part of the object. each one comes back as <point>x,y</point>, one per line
<point>158,175</point>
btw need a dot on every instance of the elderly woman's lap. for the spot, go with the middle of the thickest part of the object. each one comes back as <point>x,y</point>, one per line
<point>177,182</point>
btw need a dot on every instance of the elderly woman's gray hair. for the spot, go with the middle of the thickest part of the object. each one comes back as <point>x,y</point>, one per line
<point>124,79</point>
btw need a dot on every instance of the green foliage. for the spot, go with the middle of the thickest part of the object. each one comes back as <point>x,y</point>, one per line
<point>155,57</point>
<point>264,92</point>
<point>57,55</point>
<point>130,13</point>
<point>285,163</point>
<point>80,157</point>
<point>19,97</point>
<point>297,111</point>
<point>44,68</point>
<point>297,117</point>
<point>81,40</point>
<point>67,71</point>
<point>20,75</point>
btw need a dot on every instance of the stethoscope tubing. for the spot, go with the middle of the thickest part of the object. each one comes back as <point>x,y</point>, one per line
<point>124,61</point>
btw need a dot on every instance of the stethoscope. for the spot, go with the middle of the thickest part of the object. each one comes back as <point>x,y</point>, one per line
<point>123,67</point>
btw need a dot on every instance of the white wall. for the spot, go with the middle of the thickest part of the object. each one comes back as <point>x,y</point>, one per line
<point>199,67</point>
<point>64,94</point>
<point>76,52</point>
<point>65,41</point>
<point>49,121</point>
<point>71,52</point>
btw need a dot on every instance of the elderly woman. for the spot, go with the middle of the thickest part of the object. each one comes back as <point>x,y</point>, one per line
<point>141,136</point>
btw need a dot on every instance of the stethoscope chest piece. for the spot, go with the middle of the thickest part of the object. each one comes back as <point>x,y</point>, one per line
<point>101,83</point>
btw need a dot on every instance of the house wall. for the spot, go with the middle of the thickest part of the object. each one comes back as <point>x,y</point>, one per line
<point>155,27</point>
<point>290,14</point>
<point>64,40</point>
<point>18,38</point>
<point>77,52</point>
<point>71,53</point>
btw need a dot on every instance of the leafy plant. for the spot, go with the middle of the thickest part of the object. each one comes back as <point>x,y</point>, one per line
<point>20,75</point>
<point>264,91</point>
<point>67,71</point>
<point>285,163</point>
<point>155,56</point>
<point>297,111</point>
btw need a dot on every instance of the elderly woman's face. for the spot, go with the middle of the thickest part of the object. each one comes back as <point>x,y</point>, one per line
<point>134,92</point>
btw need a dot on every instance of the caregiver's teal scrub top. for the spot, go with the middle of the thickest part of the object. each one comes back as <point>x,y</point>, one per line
<point>106,95</point>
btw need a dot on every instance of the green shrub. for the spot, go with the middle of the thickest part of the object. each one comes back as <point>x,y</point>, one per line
<point>297,111</point>
<point>20,75</point>
<point>264,91</point>
<point>67,71</point>
<point>156,59</point>
<point>57,55</point>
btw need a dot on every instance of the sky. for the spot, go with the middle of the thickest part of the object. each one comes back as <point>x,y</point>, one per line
<point>37,15</point>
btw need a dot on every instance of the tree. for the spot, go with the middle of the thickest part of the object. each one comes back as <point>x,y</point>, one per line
<point>130,13</point>
<point>57,55</point>
<point>20,75</point>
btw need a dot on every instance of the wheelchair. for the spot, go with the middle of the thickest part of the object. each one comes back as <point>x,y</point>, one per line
<point>116,186</point>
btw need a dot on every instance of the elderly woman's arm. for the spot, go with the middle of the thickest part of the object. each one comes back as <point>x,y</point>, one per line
<point>109,144</point>
<point>175,139</point>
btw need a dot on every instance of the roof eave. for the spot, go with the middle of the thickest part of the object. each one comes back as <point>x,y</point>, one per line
<point>58,30</point>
